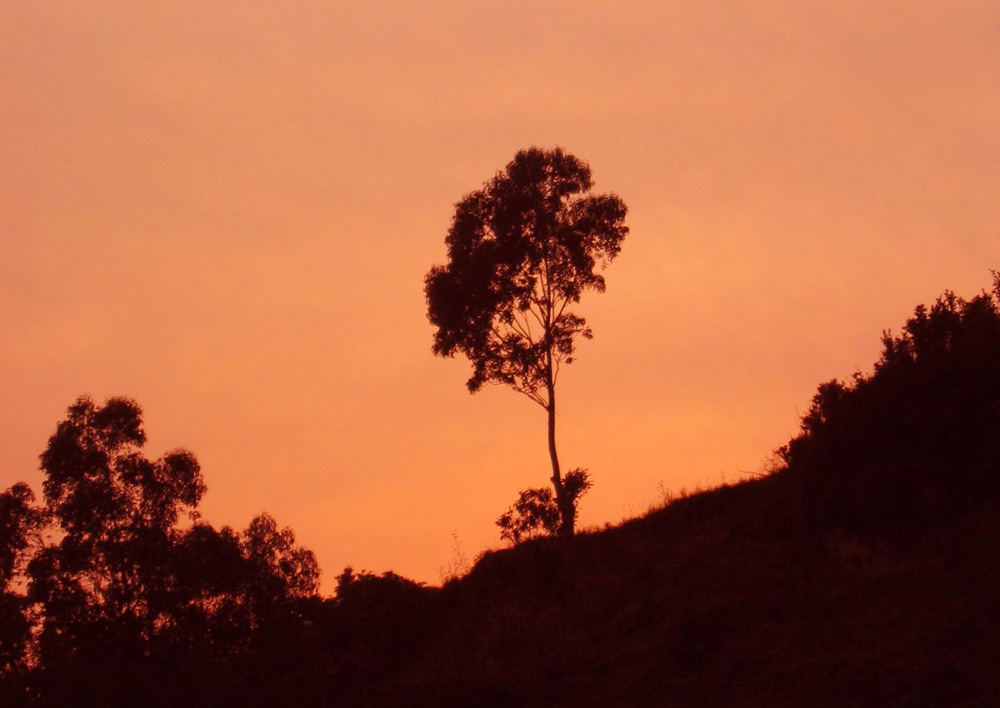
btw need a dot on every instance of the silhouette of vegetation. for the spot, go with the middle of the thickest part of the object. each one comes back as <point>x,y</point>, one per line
<point>780,590</point>
<point>536,513</point>
<point>117,512</point>
<point>116,577</point>
<point>917,442</point>
<point>521,251</point>
<point>376,610</point>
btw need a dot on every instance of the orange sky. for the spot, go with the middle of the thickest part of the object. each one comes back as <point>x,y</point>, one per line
<point>226,210</point>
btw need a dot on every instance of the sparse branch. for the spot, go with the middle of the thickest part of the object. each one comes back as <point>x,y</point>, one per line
<point>534,396</point>
<point>523,326</point>
<point>547,290</point>
<point>538,315</point>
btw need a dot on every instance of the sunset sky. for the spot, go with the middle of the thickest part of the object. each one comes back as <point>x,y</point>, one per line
<point>225,210</point>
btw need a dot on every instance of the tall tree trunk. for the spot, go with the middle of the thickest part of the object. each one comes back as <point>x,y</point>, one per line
<point>567,509</point>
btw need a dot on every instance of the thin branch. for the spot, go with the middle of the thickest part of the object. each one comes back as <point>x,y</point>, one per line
<point>517,327</point>
<point>495,331</point>
<point>537,315</point>
<point>548,295</point>
<point>562,307</point>
<point>524,327</point>
<point>533,395</point>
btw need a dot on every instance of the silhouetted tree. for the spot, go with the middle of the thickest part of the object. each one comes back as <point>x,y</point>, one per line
<point>209,574</point>
<point>117,512</point>
<point>20,527</point>
<point>279,570</point>
<point>521,251</point>
<point>382,621</point>
<point>115,592</point>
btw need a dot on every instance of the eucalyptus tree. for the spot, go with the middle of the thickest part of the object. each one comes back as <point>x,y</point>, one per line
<point>117,516</point>
<point>521,252</point>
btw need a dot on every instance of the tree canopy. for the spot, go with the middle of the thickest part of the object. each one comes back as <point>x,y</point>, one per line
<point>521,251</point>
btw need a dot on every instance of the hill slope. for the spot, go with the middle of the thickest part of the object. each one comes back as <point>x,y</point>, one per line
<point>866,571</point>
<point>723,598</point>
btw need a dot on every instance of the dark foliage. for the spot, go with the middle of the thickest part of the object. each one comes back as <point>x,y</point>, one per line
<point>917,442</point>
<point>380,620</point>
<point>105,585</point>
<point>520,251</point>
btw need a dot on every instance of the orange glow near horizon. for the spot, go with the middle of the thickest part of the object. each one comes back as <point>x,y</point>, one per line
<point>226,213</point>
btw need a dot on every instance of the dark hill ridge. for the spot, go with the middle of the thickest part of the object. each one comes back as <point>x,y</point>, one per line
<point>865,571</point>
<point>722,598</point>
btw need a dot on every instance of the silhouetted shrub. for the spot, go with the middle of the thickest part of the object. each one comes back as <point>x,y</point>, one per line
<point>379,622</point>
<point>917,442</point>
<point>536,511</point>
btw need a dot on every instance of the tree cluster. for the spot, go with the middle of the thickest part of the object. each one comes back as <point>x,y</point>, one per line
<point>115,573</point>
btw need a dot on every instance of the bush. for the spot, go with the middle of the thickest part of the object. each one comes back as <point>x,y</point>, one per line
<point>536,511</point>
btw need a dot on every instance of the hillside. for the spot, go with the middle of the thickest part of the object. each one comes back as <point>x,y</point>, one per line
<point>864,571</point>
<point>722,598</point>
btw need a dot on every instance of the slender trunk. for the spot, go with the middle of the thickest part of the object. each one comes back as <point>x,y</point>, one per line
<point>567,510</point>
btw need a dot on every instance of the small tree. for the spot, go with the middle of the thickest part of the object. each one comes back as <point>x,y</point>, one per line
<point>535,512</point>
<point>521,251</point>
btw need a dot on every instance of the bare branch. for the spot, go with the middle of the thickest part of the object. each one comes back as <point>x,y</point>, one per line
<point>517,326</point>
